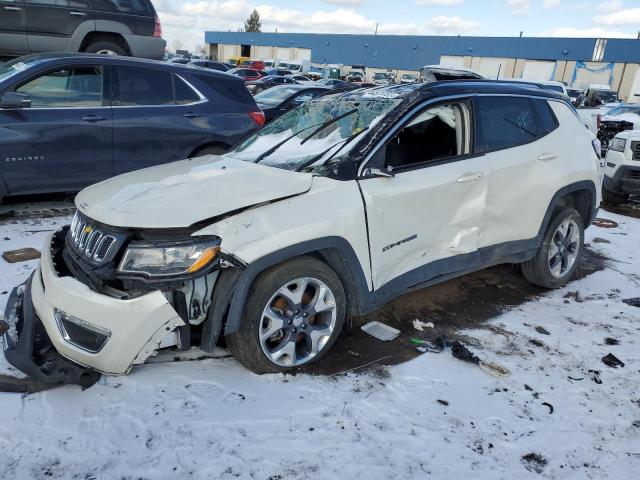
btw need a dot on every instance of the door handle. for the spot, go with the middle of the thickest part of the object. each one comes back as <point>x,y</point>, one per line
<point>78,14</point>
<point>192,115</point>
<point>13,9</point>
<point>93,118</point>
<point>545,157</point>
<point>470,177</point>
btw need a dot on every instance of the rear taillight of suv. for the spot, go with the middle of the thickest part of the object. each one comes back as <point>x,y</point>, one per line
<point>157,31</point>
<point>257,117</point>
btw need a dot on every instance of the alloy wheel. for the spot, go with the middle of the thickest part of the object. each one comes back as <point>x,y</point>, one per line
<point>564,248</point>
<point>297,322</point>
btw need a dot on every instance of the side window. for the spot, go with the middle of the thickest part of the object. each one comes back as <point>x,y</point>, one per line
<point>67,87</point>
<point>137,7</point>
<point>504,122</point>
<point>144,86</point>
<point>61,3</point>
<point>547,121</point>
<point>434,134</point>
<point>184,93</point>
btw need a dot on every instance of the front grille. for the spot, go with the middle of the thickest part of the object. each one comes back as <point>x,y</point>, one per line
<point>91,242</point>
<point>635,150</point>
<point>634,174</point>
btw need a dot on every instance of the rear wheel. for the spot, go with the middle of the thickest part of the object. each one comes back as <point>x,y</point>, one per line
<point>612,197</point>
<point>105,47</point>
<point>557,257</point>
<point>292,317</point>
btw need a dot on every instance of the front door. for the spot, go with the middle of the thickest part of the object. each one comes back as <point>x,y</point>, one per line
<point>424,220</point>
<point>13,23</point>
<point>63,142</point>
<point>50,24</point>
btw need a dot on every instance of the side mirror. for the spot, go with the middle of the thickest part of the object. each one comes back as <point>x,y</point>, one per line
<point>15,101</point>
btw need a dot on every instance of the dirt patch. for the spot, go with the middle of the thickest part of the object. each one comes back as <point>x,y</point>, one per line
<point>630,209</point>
<point>462,303</point>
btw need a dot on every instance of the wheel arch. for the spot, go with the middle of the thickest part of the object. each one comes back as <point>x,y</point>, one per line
<point>215,143</point>
<point>581,196</point>
<point>336,252</point>
<point>96,36</point>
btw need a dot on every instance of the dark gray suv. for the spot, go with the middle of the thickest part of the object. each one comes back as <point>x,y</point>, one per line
<point>117,27</point>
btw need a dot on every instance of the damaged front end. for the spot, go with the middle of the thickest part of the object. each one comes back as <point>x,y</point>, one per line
<point>108,298</point>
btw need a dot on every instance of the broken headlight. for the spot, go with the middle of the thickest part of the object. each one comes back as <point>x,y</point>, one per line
<point>618,144</point>
<point>170,260</point>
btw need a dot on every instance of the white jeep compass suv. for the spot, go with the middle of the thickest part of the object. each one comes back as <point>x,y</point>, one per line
<point>332,210</point>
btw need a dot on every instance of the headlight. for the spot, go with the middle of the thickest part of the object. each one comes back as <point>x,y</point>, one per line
<point>169,260</point>
<point>618,144</point>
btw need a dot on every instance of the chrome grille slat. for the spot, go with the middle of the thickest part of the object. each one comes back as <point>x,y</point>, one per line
<point>90,242</point>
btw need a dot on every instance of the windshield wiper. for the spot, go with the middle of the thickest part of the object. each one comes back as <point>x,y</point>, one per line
<point>317,157</point>
<point>327,124</point>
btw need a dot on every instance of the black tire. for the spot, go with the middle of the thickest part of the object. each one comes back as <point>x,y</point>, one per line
<point>245,344</point>
<point>538,270</point>
<point>613,198</point>
<point>105,46</point>
<point>211,150</point>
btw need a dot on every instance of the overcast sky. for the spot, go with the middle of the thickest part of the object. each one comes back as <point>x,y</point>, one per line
<point>187,20</point>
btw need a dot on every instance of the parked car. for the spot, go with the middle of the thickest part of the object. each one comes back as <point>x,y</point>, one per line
<point>619,119</point>
<point>622,171</point>
<point>93,26</point>
<point>574,95</point>
<point>254,64</point>
<point>364,84</point>
<point>407,78</point>
<point>280,72</point>
<point>384,78</point>
<point>267,82</point>
<point>213,65</point>
<point>272,245</point>
<point>247,74</point>
<point>439,73</point>
<point>299,78</point>
<point>278,100</point>
<point>70,120</point>
<point>335,84</point>
<point>180,60</point>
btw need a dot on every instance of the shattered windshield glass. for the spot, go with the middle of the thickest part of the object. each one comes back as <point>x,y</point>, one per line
<point>300,136</point>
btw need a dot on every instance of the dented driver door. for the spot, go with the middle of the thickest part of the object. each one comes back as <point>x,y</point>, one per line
<point>425,197</point>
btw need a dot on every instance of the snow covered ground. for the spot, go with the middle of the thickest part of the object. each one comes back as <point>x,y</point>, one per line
<point>213,419</point>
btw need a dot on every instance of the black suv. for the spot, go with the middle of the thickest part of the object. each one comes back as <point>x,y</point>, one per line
<point>117,27</point>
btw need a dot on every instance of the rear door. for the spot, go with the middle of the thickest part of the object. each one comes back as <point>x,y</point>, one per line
<point>64,141</point>
<point>51,23</point>
<point>158,118</point>
<point>520,141</point>
<point>13,24</point>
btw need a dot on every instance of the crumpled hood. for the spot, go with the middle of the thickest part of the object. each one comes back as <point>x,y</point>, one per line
<point>623,117</point>
<point>182,193</point>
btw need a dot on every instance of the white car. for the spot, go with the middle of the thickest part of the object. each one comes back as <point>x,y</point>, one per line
<point>619,119</point>
<point>330,211</point>
<point>622,171</point>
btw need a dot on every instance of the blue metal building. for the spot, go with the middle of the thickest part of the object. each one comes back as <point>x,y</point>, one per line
<point>410,52</point>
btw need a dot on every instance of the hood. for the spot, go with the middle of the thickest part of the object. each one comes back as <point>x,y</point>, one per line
<point>623,117</point>
<point>179,194</point>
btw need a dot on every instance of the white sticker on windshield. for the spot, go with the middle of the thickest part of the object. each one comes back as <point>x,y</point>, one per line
<point>20,67</point>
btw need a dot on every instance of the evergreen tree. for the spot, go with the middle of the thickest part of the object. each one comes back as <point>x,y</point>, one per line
<point>253,23</point>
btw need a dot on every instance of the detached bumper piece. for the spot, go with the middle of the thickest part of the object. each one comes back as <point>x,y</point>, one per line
<point>626,180</point>
<point>28,347</point>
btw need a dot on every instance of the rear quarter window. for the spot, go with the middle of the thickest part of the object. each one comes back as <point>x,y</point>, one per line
<point>547,121</point>
<point>134,7</point>
<point>230,89</point>
<point>504,122</point>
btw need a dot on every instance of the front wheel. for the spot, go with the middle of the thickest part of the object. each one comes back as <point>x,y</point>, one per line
<point>292,317</point>
<point>557,257</point>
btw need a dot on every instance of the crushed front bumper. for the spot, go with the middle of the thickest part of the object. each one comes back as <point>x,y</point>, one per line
<point>28,347</point>
<point>136,326</point>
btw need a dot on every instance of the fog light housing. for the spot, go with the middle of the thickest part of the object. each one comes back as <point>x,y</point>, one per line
<point>80,333</point>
